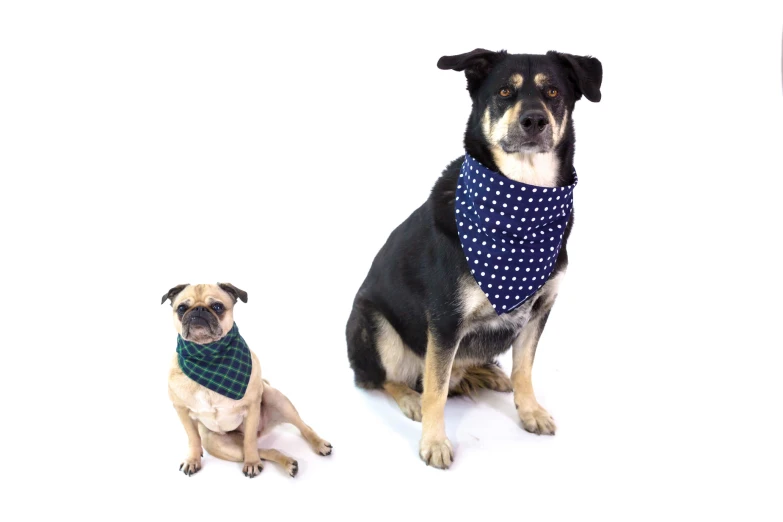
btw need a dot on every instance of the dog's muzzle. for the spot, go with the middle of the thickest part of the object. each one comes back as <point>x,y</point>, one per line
<point>199,316</point>
<point>533,123</point>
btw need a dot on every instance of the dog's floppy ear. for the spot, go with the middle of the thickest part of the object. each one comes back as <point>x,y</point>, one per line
<point>585,72</point>
<point>234,292</point>
<point>174,292</point>
<point>477,64</point>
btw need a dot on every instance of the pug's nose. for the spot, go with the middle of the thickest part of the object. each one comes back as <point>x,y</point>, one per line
<point>200,309</point>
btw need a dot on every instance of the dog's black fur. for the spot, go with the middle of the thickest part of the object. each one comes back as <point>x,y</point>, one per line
<point>417,280</point>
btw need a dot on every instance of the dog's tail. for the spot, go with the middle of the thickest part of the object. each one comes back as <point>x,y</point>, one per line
<point>489,376</point>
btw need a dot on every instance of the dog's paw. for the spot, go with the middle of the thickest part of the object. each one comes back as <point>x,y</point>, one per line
<point>292,467</point>
<point>536,419</point>
<point>251,469</point>
<point>190,466</point>
<point>411,406</point>
<point>437,453</point>
<point>322,447</point>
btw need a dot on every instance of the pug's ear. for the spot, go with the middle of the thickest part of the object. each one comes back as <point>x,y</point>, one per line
<point>234,292</point>
<point>174,292</point>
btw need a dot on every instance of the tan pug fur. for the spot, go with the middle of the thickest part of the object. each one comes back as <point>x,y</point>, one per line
<point>228,429</point>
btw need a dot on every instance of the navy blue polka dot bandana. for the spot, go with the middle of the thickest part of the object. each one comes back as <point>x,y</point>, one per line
<point>510,232</point>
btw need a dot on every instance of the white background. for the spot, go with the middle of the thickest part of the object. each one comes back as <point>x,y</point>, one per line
<point>146,144</point>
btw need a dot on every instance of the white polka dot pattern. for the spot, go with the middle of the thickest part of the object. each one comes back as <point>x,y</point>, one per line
<point>510,232</point>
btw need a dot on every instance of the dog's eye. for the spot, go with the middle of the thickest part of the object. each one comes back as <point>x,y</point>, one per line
<point>505,93</point>
<point>217,307</point>
<point>181,309</point>
<point>552,92</point>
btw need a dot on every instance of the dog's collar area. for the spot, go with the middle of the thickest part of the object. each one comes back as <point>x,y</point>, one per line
<point>492,176</point>
<point>511,232</point>
<point>222,366</point>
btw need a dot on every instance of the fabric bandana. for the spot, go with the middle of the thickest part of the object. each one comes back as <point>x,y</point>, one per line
<point>223,366</point>
<point>510,232</point>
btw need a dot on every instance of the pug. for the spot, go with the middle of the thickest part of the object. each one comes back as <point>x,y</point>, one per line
<point>216,387</point>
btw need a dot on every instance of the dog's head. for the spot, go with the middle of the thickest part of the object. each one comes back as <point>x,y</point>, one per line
<point>204,313</point>
<point>522,103</point>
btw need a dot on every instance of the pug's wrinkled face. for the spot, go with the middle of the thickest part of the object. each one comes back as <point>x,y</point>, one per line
<point>204,313</point>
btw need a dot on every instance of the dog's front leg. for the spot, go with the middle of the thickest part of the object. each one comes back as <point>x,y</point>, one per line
<point>435,448</point>
<point>535,419</point>
<point>253,464</point>
<point>192,462</point>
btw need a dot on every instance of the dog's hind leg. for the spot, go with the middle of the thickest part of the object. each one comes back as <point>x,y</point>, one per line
<point>229,446</point>
<point>402,368</point>
<point>360,334</point>
<point>289,464</point>
<point>380,359</point>
<point>276,408</point>
<point>468,380</point>
<point>407,399</point>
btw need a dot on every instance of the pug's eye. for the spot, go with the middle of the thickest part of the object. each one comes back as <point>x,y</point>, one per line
<point>218,308</point>
<point>505,92</point>
<point>552,92</point>
<point>181,309</point>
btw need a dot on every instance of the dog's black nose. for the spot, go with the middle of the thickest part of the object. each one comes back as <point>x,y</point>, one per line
<point>200,309</point>
<point>533,122</point>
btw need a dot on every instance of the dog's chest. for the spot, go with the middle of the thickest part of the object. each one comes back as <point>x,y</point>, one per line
<point>219,414</point>
<point>478,314</point>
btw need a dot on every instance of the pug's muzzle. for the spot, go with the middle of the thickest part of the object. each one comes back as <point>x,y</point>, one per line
<point>200,317</point>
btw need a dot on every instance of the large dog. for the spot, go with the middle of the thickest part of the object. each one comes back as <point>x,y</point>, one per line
<point>421,325</point>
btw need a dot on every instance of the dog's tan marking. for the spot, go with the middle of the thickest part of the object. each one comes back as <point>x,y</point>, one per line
<point>435,448</point>
<point>534,169</point>
<point>499,129</point>
<point>540,79</point>
<point>558,128</point>
<point>406,398</point>
<point>516,80</point>
<point>535,419</point>
<point>473,299</point>
<point>400,363</point>
<point>486,123</point>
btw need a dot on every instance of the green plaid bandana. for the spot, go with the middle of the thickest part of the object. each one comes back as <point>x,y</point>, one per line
<point>222,366</point>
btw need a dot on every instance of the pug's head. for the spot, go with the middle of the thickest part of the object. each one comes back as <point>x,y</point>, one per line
<point>204,313</point>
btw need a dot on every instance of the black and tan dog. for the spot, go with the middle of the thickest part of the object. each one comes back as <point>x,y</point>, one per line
<point>228,429</point>
<point>421,327</point>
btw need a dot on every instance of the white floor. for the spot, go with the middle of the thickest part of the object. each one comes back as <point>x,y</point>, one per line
<point>644,432</point>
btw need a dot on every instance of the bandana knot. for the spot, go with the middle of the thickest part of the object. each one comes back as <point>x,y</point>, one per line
<point>223,366</point>
<point>510,232</point>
